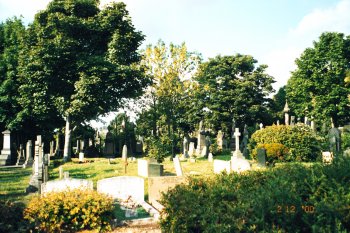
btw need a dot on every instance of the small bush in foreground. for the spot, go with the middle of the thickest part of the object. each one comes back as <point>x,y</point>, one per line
<point>290,198</point>
<point>11,216</point>
<point>70,211</point>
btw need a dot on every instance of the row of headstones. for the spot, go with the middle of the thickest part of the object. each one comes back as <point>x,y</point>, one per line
<point>40,173</point>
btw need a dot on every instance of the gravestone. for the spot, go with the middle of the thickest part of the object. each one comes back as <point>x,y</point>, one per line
<point>313,126</point>
<point>292,120</point>
<point>66,184</point>
<point>20,156</point>
<point>261,125</point>
<point>210,157</point>
<point>123,187</point>
<point>60,171</point>
<point>29,154</point>
<point>177,166</point>
<point>334,140</point>
<point>37,176</point>
<point>239,165</point>
<point>45,165</point>
<point>205,151</point>
<point>286,114</point>
<point>185,146</point>
<point>147,169</point>
<point>125,153</point>
<point>5,156</point>
<point>232,141</point>
<point>200,139</point>
<point>221,165</point>
<point>191,149</point>
<point>158,185</point>
<point>244,143</point>
<point>237,153</point>
<point>109,149</point>
<point>219,140</point>
<point>81,157</point>
<point>261,157</point>
<point>52,143</point>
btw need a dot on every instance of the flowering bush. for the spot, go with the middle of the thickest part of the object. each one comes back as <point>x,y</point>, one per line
<point>70,211</point>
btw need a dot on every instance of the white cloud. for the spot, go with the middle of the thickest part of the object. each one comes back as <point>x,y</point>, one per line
<point>281,59</point>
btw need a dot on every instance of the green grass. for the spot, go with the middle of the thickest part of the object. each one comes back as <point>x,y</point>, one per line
<point>13,181</point>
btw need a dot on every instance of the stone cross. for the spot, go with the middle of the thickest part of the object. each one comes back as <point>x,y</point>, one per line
<point>237,134</point>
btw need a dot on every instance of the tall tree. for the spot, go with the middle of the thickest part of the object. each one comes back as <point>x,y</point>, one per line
<point>317,88</point>
<point>80,62</point>
<point>11,36</point>
<point>171,69</point>
<point>234,87</point>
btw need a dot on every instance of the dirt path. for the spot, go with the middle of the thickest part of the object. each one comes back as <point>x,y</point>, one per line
<point>146,228</point>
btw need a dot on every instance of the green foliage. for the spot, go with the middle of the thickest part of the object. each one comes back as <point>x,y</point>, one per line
<point>290,198</point>
<point>302,142</point>
<point>70,211</point>
<point>318,88</point>
<point>11,216</point>
<point>233,87</point>
<point>274,151</point>
<point>159,148</point>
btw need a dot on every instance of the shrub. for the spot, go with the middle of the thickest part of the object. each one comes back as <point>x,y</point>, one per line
<point>158,149</point>
<point>11,219</point>
<point>290,198</point>
<point>70,211</point>
<point>302,142</point>
<point>274,151</point>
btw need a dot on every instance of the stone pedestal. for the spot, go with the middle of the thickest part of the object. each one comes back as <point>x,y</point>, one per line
<point>5,156</point>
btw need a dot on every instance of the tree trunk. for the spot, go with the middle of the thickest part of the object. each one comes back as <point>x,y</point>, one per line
<point>67,141</point>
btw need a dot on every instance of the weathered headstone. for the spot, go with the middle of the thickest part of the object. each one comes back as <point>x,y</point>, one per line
<point>109,149</point>
<point>334,140</point>
<point>286,114</point>
<point>147,169</point>
<point>125,153</point>
<point>200,139</point>
<point>185,146</point>
<point>261,157</point>
<point>292,120</point>
<point>178,167</point>
<point>123,187</point>
<point>29,154</point>
<point>5,156</point>
<point>60,171</point>
<point>191,149</point>
<point>52,143</point>
<point>244,143</point>
<point>20,156</point>
<point>66,184</point>
<point>221,165</point>
<point>37,176</point>
<point>219,140</point>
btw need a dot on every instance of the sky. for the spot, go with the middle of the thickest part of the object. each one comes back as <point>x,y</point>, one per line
<point>274,32</point>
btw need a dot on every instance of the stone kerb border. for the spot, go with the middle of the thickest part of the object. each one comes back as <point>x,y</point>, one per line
<point>122,187</point>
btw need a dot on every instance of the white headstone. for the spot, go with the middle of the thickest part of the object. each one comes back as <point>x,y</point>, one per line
<point>142,167</point>
<point>210,157</point>
<point>191,149</point>
<point>221,165</point>
<point>261,125</point>
<point>123,187</point>
<point>66,184</point>
<point>178,167</point>
<point>81,157</point>
<point>5,156</point>
<point>125,153</point>
<point>239,164</point>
